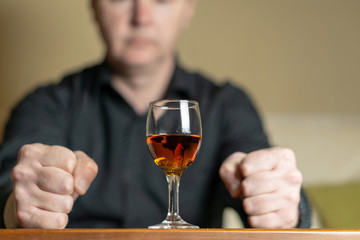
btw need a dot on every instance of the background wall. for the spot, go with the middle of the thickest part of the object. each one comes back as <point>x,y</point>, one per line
<point>299,60</point>
<point>305,52</point>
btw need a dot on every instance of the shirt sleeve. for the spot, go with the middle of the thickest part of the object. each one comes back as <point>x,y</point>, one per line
<point>244,131</point>
<point>242,127</point>
<point>38,118</point>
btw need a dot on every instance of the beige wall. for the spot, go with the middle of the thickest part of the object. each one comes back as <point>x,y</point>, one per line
<point>292,55</point>
<point>41,40</point>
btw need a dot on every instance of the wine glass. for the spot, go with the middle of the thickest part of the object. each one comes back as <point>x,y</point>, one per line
<point>173,132</point>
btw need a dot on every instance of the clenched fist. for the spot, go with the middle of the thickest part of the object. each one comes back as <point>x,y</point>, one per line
<point>269,183</point>
<point>46,182</point>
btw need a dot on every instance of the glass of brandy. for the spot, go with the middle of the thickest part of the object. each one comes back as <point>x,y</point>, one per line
<point>173,132</point>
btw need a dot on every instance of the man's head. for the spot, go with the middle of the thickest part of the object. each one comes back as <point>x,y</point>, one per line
<point>142,32</point>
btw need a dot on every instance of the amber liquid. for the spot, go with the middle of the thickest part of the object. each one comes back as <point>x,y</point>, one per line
<point>173,152</point>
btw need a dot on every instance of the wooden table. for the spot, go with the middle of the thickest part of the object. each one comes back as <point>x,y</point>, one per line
<point>199,234</point>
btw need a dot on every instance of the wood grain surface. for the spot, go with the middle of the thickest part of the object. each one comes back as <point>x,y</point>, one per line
<point>198,234</point>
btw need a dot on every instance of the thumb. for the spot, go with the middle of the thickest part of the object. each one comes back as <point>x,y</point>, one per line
<point>84,173</point>
<point>230,173</point>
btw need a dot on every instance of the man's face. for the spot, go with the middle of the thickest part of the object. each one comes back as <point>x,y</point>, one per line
<point>142,32</point>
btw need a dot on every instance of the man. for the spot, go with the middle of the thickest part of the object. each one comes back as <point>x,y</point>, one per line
<point>86,136</point>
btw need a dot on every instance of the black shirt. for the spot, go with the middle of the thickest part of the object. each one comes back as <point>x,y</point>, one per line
<point>84,112</point>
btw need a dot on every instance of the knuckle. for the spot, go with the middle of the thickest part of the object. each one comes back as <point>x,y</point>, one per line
<point>296,177</point>
<point>222,167</point>
<point>68,203</point>
<point>248,205</point>
<point>21,173</point>
<point>288,154</point>
<point>17,173</point>
<point>19,195</point>
<point>61,220</point>
<point>245,188</point>
<point>92,166</point>
<point>253,221</point>
<point>225,169</point>
<point>30,151</point>
<point>68,184</point>
<point>22,217</point>
<point>245,168</point>
<point>26,151</point>
<point>293,179</point>
<point>238,156</point>
<point>78,152</point>
<point>70,164</point>
<point>294,197</point>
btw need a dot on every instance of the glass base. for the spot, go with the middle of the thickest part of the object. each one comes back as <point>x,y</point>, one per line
<point>177,223</point>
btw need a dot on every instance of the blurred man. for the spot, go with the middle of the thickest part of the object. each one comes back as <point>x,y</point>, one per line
<point>86,136</point>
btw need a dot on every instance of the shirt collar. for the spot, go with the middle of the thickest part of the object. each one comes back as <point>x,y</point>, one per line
<point>105,74</point>
<point>181,84</point>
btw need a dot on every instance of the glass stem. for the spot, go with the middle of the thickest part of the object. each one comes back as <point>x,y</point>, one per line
<point>173,210</point>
